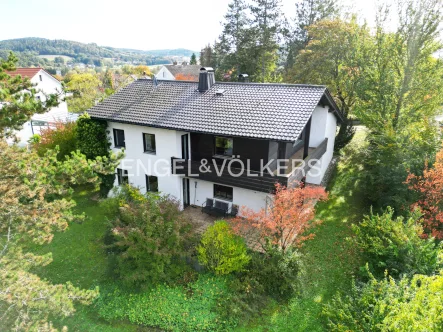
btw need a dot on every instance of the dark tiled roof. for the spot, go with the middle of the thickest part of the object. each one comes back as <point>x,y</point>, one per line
<point>268,111</point>
<point>185,70</point>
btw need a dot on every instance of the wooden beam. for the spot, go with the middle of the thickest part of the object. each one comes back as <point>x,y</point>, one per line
<point>306,136</point>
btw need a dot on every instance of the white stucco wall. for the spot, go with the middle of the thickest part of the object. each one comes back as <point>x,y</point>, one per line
<point>315,176</point>
<point>168,144</point>
<point>318,126</point>
<point>164,74</point>
<point>138,163</point>
<point>48,85</point>
<point>254,200</point>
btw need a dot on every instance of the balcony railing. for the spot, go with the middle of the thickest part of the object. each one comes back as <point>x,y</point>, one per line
<point>243,178</point>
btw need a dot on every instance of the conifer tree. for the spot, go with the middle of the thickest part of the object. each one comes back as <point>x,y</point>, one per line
<point>193,59</point>
<point>269,28</point>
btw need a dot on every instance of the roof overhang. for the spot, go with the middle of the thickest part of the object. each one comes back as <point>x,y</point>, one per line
<point>327,99</point>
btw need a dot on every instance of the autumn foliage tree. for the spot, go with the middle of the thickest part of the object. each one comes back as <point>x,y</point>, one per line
<point>184,77</point>
<point>284,223</point>
<point>59,134</point>
<point>429,187</point>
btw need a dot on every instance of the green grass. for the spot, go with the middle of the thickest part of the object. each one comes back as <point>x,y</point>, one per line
<point>330,259</point>
<point>79,257</point>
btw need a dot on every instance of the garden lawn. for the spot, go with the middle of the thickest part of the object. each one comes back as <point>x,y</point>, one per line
<point>79,257</point>
<point>330,259</point>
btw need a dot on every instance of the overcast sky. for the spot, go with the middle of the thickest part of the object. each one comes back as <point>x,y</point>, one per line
<point>138,24</point>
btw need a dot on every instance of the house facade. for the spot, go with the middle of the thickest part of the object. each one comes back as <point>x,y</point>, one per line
<point>220,145</point>
<point>45,84</point>
<point>182,72</point>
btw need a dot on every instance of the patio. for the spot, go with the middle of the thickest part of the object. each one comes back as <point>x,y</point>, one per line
<point>203,221</point>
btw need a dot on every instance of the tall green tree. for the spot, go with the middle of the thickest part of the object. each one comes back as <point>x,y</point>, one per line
<point>307,13</point>
<point>333,57</point>
<point>269,27</point>
<point>401,92</point>
<point>207,57</point>
<point>86,91</point>
<point>36,202</point>
<point>193,59</point>
<point>18,101</point>
<point>234,41</point>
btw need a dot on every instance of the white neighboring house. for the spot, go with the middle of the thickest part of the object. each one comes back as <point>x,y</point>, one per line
<point>170,129</point>
<point>169,72</point>
<point>45,83</point>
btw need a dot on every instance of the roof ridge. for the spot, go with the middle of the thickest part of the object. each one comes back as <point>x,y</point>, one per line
<point>244,84</point>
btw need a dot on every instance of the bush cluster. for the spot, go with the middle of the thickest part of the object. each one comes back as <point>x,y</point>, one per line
<point>409,304</point>
<point>179,308</point>
<point>395,245</point>
<point>63,135</point>
<point>150,237</point>
<point>87,135</point>
<point>222,251</point>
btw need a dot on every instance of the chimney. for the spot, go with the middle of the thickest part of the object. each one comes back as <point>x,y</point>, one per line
<point>243,78</point>
<point>206,79</point>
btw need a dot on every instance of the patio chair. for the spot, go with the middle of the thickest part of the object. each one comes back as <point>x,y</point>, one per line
<point>234,211</point>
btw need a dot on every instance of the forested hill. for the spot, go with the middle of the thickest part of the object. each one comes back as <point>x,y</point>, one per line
<point>32,51</point>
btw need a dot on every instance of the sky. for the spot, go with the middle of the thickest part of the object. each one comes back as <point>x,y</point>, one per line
<point>137,24</point>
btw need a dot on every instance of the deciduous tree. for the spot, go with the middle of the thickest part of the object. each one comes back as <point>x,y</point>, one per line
<point>429,187</point>
<point>184,77</point>
<point>400,92</point>
<point>308,12</point>
<point>286,221</point>
<point>333,57</point>
<point>86,90</point>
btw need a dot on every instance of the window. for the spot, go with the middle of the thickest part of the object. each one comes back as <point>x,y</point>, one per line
<point>151,183</point>
<point>119,138</point>
<point>122,176</point>
<point>223,146</point>
<point>149,143</point>
<point>223,192</point>
<point>41,78</point>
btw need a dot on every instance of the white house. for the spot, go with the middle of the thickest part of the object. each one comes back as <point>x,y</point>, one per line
<point>172,72</point>
<point>45,83</point>
<point>220,145</point>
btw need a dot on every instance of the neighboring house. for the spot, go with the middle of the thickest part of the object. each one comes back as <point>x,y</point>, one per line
<point>181,72</point>
<point>45,83</point>
<point>179,126</point>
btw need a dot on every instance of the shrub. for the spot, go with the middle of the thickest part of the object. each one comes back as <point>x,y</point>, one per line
<point>245,300</point>
<point>221,251</point>
<point>62,135</point>
<point>150,237</point>
<point>287,221</point>
<point>388,305</point>
<point>395,245</point>
<point>93,142</point>
<point>277,271</point>
<point>92,137</point>
<point>191,308</point>
<point>429,189</point>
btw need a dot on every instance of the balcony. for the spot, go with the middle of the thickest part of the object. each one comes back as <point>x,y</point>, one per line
<point>243,178</point>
